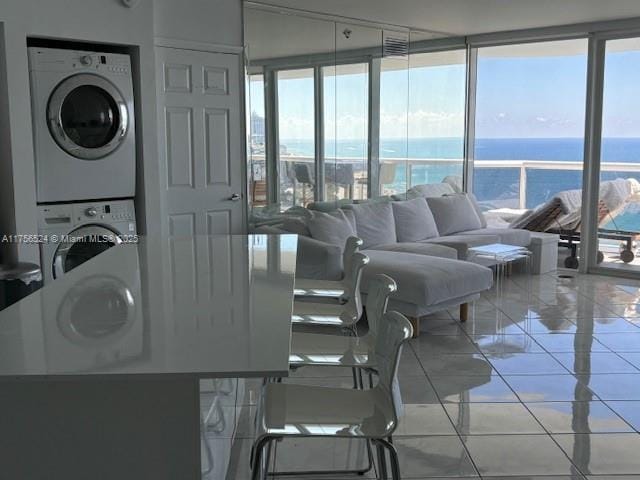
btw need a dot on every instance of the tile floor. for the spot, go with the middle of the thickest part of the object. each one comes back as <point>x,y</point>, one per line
<point>543,382</point>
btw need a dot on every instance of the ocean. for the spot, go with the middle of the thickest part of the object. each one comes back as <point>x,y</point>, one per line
<point>495,187</point>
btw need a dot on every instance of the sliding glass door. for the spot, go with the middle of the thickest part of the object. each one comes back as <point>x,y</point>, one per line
<point>529,123</point>
<point>617,216</point>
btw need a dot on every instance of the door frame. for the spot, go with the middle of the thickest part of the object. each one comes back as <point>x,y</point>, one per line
<point>203,47</point>
<point>592,154</point>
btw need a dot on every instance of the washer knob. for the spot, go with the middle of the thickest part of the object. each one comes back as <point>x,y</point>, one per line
<point>91,212</point>
<point>86,60</point>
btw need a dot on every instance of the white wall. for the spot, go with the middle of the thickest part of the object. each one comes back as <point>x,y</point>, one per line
<point>99,21</point>
<point>207,21</point>
<point>95,21</point>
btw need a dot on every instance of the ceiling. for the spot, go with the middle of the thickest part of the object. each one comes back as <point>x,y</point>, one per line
<point>468,17</point>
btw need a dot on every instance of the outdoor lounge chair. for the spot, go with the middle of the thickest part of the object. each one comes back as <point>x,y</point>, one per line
<point>562,215</point>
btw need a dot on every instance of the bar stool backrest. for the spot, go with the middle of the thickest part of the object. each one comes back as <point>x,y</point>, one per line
<point>394,330</point>
<point>380,287</point>
<point>353,308</point>
<point>351,246</point>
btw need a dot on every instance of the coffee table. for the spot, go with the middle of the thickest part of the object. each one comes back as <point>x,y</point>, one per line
<point>501,257</point>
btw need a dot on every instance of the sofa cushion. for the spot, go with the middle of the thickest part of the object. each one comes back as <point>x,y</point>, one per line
<point>508,236</point>
<point>455,181</point>
<point>476,207</point>
<point>374,223</point>
<point>351,217</point>
<point>296,225</point>
<point>414,220</point>
<point>462,243</point>
<point>333,228</point>
<point>431,249</point>
<point>425,280</point>
<point>453,214</point>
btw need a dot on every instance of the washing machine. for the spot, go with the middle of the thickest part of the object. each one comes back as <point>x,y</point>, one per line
<point>93,322</point>
<point>83,124</point>
<point>73,233</point>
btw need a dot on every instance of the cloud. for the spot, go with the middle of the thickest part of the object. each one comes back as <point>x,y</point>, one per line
<point>421,123</point>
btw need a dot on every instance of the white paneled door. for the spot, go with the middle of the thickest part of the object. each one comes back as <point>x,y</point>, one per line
<point>200,115</point>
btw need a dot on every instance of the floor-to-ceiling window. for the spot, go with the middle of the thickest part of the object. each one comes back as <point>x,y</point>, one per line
<point>618,216</point>
<point>529,124</point>
<point>296,136</point>
<point>436,121</point>
<point>346,138</point>
<point>353,111</point>
<point>393,170</point>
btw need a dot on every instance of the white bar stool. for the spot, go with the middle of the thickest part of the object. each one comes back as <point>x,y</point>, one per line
<point>344,315</point>
<point>289,410</point>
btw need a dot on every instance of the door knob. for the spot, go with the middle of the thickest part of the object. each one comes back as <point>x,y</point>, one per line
<point>235,197</point>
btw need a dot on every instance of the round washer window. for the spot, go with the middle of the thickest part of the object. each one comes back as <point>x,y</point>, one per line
<point>90,116</point>
<point>83,250</point>
<point>82,244</point>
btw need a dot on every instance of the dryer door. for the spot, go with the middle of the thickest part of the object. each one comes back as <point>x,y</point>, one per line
<point>87,116</point>
<point>81,245</point>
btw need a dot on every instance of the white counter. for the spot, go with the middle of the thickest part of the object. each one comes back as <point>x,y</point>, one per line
<point>226,313</point>
<point>106,361</point>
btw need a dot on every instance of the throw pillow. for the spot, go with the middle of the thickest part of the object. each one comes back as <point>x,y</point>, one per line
<point>374,223</point>
<point>351,217</point>
<point>414,221</point>
<point>333,228</point>
<point>453,214</point>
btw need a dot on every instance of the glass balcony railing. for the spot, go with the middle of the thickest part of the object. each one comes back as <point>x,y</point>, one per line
<point>516,184</point>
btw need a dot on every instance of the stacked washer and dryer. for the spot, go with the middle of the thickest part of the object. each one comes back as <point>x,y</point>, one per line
<point>85,153</point>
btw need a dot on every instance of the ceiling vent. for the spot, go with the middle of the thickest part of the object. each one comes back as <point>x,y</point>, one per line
<point>395,45</point>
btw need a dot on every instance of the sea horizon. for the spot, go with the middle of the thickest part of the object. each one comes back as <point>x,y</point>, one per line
<point>494,187</point>
<point>614,149</point>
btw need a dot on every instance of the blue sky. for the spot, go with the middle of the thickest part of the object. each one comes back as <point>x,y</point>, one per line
<point>526,97</point>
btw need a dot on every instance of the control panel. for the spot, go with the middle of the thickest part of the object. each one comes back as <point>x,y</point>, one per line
<point>105,212</point>
<point>52,59</point>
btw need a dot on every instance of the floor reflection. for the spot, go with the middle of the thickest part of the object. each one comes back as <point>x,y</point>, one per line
<point>543,381</point>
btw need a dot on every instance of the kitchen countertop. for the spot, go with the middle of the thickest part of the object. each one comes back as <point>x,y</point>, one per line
<point>201,306</point>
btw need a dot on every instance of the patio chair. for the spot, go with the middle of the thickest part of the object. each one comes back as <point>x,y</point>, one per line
<point>562,215</point>
<point>300,174</point>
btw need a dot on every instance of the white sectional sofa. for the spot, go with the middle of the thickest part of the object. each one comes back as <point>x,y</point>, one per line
<point>421,242</point>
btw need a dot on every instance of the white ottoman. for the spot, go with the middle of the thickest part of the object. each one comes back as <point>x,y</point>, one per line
<point>544,247</point>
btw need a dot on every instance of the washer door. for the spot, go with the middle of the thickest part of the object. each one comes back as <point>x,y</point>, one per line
<point>81,245</point>
<point>97,312</point>
<point>87,116</point>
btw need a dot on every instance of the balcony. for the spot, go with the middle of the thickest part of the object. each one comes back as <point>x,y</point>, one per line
<point>513,184</point>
